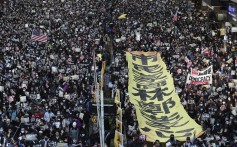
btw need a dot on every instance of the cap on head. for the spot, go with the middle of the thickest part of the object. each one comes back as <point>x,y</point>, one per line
<point>74,124</point>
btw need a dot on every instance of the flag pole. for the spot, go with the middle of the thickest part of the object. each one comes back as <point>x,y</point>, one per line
<point>97,98</point>
<point>102,143</point>
<point>102,116</point>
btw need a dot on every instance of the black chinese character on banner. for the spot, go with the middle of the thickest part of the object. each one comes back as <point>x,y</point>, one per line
<point>148,69</point>
<point>144,59</point>
<point>158,94</point>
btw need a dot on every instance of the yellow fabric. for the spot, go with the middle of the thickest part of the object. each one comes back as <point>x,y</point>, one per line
<point>118,104</point>
<point>117,96</point>
<point>119,114</point>
<point>119,125</point>
<point>118,139</point>
<point>158,108</point>
<point>99,56</point>
<point>123,16</point>
<point>103,67</point>
<point>222,31</point>
<point>94,119</point>
<point>102,73</point>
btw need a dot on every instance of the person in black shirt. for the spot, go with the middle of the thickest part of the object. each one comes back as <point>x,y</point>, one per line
<point>172,142</point>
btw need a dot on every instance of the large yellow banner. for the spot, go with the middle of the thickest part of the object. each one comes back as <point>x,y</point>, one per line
<point>158,108</point>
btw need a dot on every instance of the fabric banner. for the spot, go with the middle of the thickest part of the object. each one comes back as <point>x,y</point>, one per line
<point>199,80</point>
<point>206,71</point>
<point>122,16</point>
<point>118,139</point>
<point>118,104</point>
<point>119,126</point>
<point>158,108</point>
<point>119,114</point>
<point>117,96</point>
<point>103,67</point>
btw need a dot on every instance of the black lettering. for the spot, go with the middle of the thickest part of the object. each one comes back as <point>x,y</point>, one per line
<point>150,108</point>
<point>146,129</point>
<point>159,93</point>
<point>199,79</point>
<point>140,77</point>
<point>149,69</point>
<point>183,131</point>
<point>165,104</point>
<point>152,84</point>
<point>144,58</point>
<point>141,93</point>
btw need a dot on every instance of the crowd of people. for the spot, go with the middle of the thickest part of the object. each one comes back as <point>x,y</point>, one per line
<point>190,40</point>
<point>46,88</point>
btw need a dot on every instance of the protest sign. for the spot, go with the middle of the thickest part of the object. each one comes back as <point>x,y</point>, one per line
<point>199,79</point>
<point>206,71</point>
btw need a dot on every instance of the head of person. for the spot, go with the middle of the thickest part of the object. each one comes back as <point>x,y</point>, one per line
<point>156,143</point>
<point>172,137</point>
<point>188,139</point>
<point>74,124</point>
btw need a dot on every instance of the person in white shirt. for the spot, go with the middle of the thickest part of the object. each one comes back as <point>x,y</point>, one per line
<point>188,143</point>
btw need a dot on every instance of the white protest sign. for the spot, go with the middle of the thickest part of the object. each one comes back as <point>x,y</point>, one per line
<point>60,93</point>
<point>54,69</point>
<point>75,77</point>
<point>1,88</point>
<point>199,79</point>
<point>138,36</point>
<point>23,99</point>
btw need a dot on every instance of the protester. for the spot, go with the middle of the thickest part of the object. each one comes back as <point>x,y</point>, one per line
<point>172,142</point>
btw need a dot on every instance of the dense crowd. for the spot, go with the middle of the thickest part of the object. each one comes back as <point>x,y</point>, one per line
<point>183,43</point>
<point>46,88</point>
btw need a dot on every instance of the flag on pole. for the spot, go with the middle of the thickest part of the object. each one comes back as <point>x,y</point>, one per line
<point>123,16</point>
<point>37,36</point>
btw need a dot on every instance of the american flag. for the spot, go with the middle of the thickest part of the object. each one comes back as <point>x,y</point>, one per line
<point>37,36</point>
